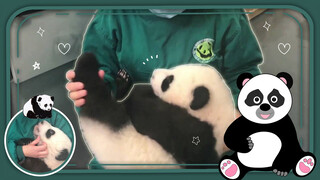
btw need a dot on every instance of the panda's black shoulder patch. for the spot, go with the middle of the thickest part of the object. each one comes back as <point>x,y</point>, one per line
<point>201,97</point>
<point>63,155</point>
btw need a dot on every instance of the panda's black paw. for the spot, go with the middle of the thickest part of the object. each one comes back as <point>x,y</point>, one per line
<point>123,75</point>
<point>250,143</point>
<point>280,173</point>
<point>123,83</point>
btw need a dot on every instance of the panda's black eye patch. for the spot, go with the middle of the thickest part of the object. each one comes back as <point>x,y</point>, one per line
<point>275,98</point>
<point>166,82</point>
<point>45,105</point>
<point>254,98</point>
<point>49,133</point>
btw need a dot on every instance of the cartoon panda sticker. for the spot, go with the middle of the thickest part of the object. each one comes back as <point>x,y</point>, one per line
<point>203,50</point>
<point>264,137</point>
<point>39,106</point>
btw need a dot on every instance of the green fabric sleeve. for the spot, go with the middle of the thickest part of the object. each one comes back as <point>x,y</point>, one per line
<point>241,54</point>
<point>101,39</point>
<point>60,122</point>
<point>20,154</point>
<point>15,133</point>
<point>15,154</point>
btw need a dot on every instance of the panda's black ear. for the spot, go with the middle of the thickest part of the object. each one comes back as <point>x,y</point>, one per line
<point>39,99</point>
<point>286,78</point>
<point>200,98</point>
<point>52,98</point>
<point>243,79</point>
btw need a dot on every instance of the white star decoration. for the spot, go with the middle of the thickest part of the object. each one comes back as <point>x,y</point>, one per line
<point>266,25</point>
<point>196,140</point>
<point>40,31</point>
<point>36,65</point>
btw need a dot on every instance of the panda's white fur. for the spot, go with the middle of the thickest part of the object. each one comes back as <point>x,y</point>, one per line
<point>126,146</point>
<point>219,111</point>
<point>58,142</point>
<point>265,83</point>
<point>44,102</point>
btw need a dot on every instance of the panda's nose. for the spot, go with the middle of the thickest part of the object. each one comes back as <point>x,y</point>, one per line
<point>265,107</point>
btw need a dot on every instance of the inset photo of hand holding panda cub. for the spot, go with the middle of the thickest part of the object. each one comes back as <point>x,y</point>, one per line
<point>173,89</point>
<point>40,139</point>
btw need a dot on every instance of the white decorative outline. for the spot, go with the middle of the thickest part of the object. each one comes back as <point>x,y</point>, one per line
<point>197,140</point>
<point>157,56</point>
<point>266,25</point>
<point>54,171</point>
<point>64,46</point>
<point>284,46</point>
<point>36,65</point>
<point>40,31</point>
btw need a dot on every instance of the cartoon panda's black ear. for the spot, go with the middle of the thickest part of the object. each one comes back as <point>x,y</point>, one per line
<point>200,98</point>
<point>286,78</point>
<point>243,79</point>
<point>39,99</point>
<point>52,98</point>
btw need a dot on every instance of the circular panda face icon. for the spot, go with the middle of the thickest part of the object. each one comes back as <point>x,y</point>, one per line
<point>265,98</point>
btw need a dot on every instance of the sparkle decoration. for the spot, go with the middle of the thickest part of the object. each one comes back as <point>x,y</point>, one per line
<point>151,57</point>
<point>40,31</point>
<point>267,25</point>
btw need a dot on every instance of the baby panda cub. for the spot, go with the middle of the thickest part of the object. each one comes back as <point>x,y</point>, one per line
<point>201,91</point>
<point>156,124</point>
<point>58,144</point>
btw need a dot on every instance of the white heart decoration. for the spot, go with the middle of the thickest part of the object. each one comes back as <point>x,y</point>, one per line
<point>284,48</point>
<point>64,48</point>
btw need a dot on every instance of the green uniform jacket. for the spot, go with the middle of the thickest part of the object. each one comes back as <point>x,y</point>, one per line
<point>22,127</point>
<point>140,43</point>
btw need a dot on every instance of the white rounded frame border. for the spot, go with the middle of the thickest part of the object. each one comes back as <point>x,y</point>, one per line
<point>45,174</point>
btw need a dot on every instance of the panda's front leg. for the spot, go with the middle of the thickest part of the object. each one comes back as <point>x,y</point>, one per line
<point>282,164</point>
<point>238,140</point>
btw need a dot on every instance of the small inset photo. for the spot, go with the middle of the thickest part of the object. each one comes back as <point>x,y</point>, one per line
<point>40,140</point>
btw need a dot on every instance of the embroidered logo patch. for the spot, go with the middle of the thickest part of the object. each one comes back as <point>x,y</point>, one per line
<point>203,50</point>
